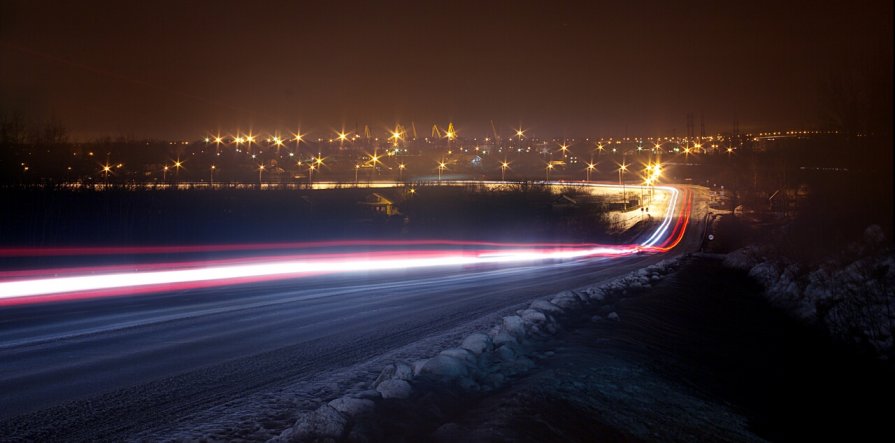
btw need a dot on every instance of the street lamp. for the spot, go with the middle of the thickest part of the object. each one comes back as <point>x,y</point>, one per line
<point>622,168</point>
<point>401,168</point>
<point>590,167</point>
<point>165,174</point>
<point>374,159</point>
<point>297,137</point>
<point>212,175</point>
<point>657,172</point>
<point>260,170</point>
<point>106,170</point>
<point>177,165</point>
<point>548,168</point>
<point>249,139</point>
<point>646,181</point>
<point>396,136</point>
<point>503,169</point>
<point>311,174</point>
<point>649,184</point>
<point>441,167</point>
<point>278,142</point>
<point>356,170</point>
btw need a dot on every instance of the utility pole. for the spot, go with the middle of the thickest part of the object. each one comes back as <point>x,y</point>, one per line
<point>701,128</point>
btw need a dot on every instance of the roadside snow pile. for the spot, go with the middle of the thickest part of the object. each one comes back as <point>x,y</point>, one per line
<point>482,363</point>
<point>852,296</point>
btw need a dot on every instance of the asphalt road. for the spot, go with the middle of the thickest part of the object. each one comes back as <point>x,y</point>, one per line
<point>115,368</point>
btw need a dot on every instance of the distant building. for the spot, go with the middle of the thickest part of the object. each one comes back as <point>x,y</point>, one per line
<point>380,204</point>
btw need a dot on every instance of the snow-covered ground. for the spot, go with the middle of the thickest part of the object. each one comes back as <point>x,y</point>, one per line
<point>852,295</point>
<point>483,362</point>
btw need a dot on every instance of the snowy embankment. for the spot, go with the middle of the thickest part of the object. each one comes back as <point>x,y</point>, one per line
<point>482,363</point>
<point>851,296</point>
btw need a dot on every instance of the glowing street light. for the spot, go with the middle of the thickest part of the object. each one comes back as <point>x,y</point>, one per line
<point>260,170</point>
<point>548,168</point>
<point>504,165</point>
<point>590,167</point>
<point>374,159</point>
<point>623,167</point>
<point>249,139</point>
<point>441,167</point>
<point>165,174</point>
<point>564,149</point>
<point>356,170</point>
<point>106,169</point>
<point>396,136</point>
<point>401,168</point>
<point>213,167</point>
<point>311,174</point>
<point>520,133</point>
<point>178,165</point>
<point>342,136</point>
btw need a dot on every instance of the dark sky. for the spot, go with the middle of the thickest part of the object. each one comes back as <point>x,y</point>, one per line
<point>179,69</point>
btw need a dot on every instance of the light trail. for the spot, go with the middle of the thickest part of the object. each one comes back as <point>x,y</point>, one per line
<point>188,249</point>
<point>34,286</point>
<point>260,269</point>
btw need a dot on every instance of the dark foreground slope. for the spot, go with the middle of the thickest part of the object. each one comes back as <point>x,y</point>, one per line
<point>699,357</point>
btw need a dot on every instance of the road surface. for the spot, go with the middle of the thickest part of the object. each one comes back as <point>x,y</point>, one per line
<point>201,360</point>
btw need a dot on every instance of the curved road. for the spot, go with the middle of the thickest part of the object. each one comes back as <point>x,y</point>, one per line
<point>120,367</point>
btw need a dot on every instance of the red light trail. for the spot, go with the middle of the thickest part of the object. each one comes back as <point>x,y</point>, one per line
<point>45,285</point>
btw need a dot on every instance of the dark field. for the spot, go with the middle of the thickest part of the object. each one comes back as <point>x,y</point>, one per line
<point>41,218</point>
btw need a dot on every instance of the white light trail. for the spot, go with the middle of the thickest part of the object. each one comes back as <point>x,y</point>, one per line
<point>222,274</point>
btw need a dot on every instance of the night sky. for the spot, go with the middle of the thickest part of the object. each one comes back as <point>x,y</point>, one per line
<point>179,69</point>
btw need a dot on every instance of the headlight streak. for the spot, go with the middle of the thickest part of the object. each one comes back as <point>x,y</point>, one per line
<point>66,284</point>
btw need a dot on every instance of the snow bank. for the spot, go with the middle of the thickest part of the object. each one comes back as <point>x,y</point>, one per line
<point>324,423</point>
<point>394,388</point>
<point>851,295</point>
<point>483,362</point>
<point>477,343</point>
